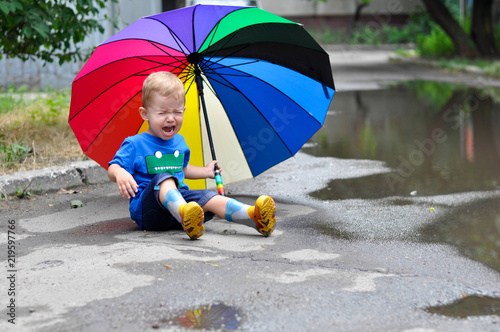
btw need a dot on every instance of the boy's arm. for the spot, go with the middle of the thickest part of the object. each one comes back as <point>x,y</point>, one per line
<point>125,181</point>
<point>195,172</point>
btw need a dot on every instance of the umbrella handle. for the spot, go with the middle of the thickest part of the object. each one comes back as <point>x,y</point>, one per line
<point>218,181</point>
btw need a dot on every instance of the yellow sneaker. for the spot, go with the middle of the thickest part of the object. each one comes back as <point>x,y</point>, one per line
<point>264,214</point>
<point>192,219</point>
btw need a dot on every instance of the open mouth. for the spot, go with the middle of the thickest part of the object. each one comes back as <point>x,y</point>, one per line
<point>169,129</point>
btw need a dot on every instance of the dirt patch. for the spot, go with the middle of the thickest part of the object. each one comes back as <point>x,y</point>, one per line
<point>34,132</point>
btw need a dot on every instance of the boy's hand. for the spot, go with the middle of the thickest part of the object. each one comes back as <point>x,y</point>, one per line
<point>196,172</point>
<point>211,169</point>
<point>126,184</point>
<point>125,181</point>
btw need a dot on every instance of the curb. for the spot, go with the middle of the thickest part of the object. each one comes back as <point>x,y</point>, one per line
<point>53,178</point>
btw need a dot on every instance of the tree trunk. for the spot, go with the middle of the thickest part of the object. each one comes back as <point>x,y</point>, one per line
<point>482,27</point>
<point>357,16</point>
<point>464,46</point>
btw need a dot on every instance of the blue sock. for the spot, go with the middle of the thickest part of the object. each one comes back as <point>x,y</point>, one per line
<point>172,202</point>
<point>238,213</point>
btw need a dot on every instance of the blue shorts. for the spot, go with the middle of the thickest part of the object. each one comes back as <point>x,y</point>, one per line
<point>155,217</point>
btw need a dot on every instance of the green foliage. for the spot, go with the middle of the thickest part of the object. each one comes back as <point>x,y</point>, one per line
<point>436,44</point>
<point>435,93</point>
<point>368,141</point>
<point>24,192</point>
<point>454,7</point>
<point>384,35</point>
<point>497,35</point>
<point>376,33</point>
<point>493,69</point>
<point>366,35</point>
<point>47,29</point>
<point>420,22</point>
<point>11,99</point>
<point>14,152</point>
<point>330,37</point>
<point>8,101</point>
<point>51,108</point>
<point>438,94</point>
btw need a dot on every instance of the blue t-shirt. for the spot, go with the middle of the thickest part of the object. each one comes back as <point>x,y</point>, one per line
<point>144,156</point>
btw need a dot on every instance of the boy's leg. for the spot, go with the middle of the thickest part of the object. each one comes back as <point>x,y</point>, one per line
<point>261,216</point>
<point>190,215</point>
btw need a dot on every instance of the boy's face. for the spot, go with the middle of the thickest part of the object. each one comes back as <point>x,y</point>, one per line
<point>164,115</point>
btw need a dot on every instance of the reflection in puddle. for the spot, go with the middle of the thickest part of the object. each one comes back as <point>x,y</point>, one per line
<point>473,228</point>
<point>383,185</point>
<point>469,306</point>
<point>212,317</point>
<point>438,138</point>
<point>363,187</point>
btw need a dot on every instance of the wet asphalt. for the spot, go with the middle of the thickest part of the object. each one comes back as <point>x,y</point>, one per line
<point>331,265</point>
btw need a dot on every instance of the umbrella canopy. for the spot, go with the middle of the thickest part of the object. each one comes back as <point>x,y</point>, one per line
<point>267,86</point>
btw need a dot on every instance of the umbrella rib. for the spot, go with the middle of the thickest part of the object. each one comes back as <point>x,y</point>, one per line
<point>231,86</point>
<point>188,76</point>
<point>222,46</point>
<point>193,27</point>
<point>160,64</point>
<point>178,41</point>
<point>213,32</point>
<point>183,61</point>
<point>116,83</point>
<point>209,69</point>
<point>111,119</point>
<point>228,84</point>
<point>164,51</point>
<point>217,96</point>
<point>231,66</point>
<point>180,60</point>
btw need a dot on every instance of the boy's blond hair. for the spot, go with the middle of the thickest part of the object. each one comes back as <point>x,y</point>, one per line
<point>163,82</point>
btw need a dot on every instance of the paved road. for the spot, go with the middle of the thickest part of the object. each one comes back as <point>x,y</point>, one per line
<point>91,269</point>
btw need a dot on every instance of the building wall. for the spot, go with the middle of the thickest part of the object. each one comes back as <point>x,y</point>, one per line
<point>291,8</point>
<point>38,76</point>
<point>340,13</point>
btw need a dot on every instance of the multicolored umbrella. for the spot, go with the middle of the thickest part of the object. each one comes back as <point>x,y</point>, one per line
<point>266,86</point>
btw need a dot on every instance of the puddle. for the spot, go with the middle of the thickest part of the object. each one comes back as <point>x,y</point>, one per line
<point>363,187</point>
<point>439,138</point>
<point>473,228</point>
<point>115,226</point>
<point>474,305</point>
<point>217,316</point>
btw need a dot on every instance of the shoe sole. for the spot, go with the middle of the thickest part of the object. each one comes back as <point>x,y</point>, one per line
<point>192,220</point>
<point>266,221</point>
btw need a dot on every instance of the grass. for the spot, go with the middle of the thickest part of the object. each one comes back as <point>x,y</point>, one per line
<point>34,131</point>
